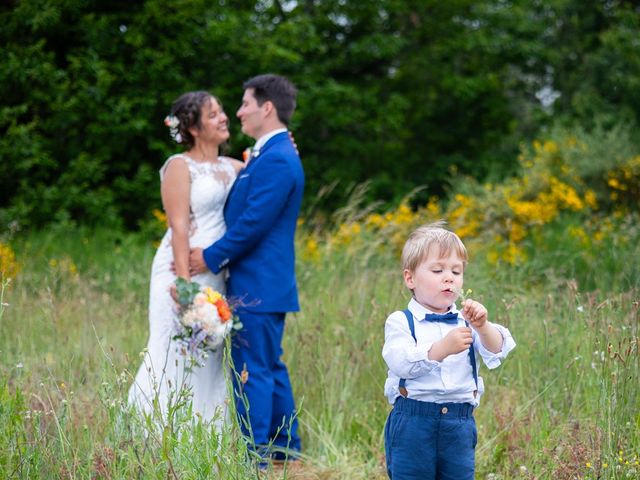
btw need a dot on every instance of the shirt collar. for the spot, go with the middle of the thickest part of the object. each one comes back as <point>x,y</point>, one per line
<point>419,311</point>
<point>264,139</point>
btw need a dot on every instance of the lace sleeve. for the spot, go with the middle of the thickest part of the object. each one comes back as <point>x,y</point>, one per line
<point>164,167</point>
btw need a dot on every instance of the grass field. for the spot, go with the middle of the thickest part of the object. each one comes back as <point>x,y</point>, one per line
<point>564,405</point>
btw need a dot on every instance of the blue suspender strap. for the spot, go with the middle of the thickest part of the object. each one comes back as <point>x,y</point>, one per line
<point>401,384</point>
<point>474,370</point>
<point>472,357</point>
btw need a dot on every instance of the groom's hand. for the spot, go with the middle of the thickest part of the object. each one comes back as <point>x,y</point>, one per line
<point>196,262</point>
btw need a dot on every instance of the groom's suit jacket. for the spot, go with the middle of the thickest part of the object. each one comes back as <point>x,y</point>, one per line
<point>261,214</point>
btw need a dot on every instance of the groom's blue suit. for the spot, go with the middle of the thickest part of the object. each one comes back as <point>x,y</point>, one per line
<point>261,214</point>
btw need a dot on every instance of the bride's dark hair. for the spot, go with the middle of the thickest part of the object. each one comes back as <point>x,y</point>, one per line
<point>188,109</point>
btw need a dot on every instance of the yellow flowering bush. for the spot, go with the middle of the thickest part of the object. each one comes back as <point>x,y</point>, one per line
<point>9,267</point>
<point>64,267</point>
<point>624,183</point>
<point>558,175</point>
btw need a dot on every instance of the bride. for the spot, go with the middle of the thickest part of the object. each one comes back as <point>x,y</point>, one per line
<point>194,187</point>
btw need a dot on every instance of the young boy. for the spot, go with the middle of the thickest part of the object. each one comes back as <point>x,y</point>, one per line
<point>430,350</point>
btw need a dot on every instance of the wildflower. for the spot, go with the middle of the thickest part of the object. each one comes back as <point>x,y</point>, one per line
<point>550,147</point>
<point>311,250</point>
<point>160,216</point>
<point>8,265</point>
<point>462,294</point>
<point>591,199</point>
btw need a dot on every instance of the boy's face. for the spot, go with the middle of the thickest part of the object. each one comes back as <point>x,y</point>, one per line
<point>436,281</point>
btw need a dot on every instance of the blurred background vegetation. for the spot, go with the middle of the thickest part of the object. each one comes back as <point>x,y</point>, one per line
<point>398,93</point>
<point>515,121</point>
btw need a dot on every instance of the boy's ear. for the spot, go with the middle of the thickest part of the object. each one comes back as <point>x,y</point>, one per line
<point>408,278</point>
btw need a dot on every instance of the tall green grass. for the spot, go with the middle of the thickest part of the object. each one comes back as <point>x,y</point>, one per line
<point>564,405</point>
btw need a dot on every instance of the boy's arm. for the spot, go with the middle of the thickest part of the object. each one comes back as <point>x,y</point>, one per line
<point>476,314</point>
<point>456,341</point>
<point>404,357</point>
<point>495,340</point>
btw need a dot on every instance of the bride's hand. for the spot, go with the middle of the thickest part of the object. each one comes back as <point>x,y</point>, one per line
<point>293,140</point>
<point>173,291</point>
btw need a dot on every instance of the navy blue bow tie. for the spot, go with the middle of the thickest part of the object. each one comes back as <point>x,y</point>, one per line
<point>448,317</point>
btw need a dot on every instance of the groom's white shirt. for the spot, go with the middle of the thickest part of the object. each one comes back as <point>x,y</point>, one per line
<point>255,151</point>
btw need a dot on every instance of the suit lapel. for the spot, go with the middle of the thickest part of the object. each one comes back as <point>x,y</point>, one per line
<point>270,143</point>
<point>247,170</point>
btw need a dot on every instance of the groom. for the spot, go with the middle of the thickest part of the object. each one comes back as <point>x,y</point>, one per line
<point>261,215</point>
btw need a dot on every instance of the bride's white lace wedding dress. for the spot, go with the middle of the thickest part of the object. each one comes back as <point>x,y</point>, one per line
<point>162,371</point>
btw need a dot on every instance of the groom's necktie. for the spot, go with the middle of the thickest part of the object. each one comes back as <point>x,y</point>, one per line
<point>449,317</point>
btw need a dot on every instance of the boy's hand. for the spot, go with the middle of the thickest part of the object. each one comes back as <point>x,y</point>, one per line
<point>475,313</point>
<point>456,341</point>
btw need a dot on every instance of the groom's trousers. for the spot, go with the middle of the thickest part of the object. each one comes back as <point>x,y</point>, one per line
<point>271,419</point>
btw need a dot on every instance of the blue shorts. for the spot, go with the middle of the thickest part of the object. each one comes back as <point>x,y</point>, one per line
<point>429,441</point>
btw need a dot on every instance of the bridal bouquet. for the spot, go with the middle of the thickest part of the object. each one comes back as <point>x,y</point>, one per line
<point>204,320</point>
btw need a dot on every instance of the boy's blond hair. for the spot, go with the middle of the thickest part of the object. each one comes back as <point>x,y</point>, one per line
<point>423,240</point>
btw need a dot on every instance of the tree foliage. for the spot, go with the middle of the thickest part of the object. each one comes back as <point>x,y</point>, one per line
<point>396,92</point>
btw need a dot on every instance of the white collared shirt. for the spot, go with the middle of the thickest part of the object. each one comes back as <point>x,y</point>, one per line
<point>450,380</point>
<point>255,151</point>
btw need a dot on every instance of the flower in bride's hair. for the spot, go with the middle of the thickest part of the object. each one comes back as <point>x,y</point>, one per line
<point>204,320</point>
<point>173,123</point>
